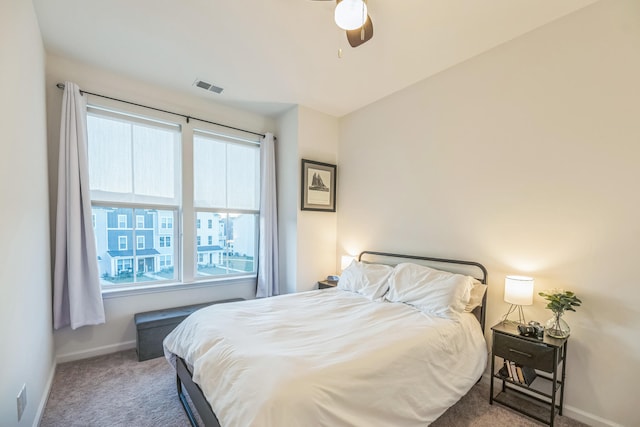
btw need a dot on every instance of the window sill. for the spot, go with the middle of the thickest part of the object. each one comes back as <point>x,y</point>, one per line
<point>172,287</point>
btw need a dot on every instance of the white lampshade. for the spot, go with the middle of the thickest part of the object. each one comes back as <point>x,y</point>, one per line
<point>351,14</point>
<point>518,290</point>
<point>345,261</point>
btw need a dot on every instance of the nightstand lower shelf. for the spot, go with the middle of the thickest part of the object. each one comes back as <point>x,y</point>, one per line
<point>526,404</point>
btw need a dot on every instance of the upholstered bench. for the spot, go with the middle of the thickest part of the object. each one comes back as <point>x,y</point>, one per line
<point>153,326</point>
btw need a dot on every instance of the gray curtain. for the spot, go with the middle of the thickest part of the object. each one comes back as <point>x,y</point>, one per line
<point>77,298</point>
<point>268,243</point>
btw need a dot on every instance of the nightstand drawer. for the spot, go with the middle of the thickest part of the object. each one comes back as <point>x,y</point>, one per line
<point>527,353</point>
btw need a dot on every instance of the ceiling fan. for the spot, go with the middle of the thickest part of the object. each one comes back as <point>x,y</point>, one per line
<point>352,16</point>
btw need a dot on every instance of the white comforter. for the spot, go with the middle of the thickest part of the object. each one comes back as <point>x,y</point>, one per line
<point>328,358</point>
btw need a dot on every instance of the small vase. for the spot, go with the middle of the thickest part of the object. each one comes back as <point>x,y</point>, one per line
<point>556,327</point>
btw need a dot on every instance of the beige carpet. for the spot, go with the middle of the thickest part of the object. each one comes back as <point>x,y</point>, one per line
<point>116,390</point>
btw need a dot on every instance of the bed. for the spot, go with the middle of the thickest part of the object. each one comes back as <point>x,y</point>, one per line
<point>392,344</point>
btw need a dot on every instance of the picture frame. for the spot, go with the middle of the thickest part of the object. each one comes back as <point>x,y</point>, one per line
<point>318,185</point>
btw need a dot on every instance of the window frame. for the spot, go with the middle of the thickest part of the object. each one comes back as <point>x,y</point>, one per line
<point>241,141</point>
<point>184,255</point>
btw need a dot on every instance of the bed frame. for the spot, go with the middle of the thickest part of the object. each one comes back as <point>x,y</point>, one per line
<point>184,375</point>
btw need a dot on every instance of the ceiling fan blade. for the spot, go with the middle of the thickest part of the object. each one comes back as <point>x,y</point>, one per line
<point>355,36</point>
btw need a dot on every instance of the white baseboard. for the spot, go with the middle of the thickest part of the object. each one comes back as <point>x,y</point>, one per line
<point>587,418</point>
<point>97,351</point>
<point>45,396</point>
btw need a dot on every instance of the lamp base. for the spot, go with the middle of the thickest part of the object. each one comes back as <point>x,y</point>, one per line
<point>513,309</point>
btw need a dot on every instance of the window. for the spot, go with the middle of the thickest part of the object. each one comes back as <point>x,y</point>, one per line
<point>136,178</point>
<point>166,223</point>
<point>226,195</point>
<point>124,266</point>
<point>166,261</point>
<point>165,241</point>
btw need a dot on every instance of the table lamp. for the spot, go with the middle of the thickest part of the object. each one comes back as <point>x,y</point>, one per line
<point>518,291</point>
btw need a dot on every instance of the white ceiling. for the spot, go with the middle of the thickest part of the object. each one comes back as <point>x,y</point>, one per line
<point>270,54</point>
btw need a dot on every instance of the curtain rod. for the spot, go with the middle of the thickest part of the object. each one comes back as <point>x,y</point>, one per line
<point>82,92</point>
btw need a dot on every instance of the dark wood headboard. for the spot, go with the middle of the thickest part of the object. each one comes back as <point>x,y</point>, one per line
<point>469,268</point>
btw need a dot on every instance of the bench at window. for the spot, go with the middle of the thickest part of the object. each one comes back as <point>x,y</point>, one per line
<point>153,326</point>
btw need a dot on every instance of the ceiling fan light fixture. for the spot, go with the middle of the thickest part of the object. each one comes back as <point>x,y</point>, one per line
<point>351,14</point>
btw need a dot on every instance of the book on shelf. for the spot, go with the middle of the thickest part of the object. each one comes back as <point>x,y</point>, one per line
<point>503,372</point>
<point>514,372</point>
<point>508,372</point>
<point>529,374</point>
<point>517,373</point>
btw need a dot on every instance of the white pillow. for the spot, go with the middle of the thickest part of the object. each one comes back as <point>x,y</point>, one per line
<point>432,291</point>
<point>477,293</point>
<point>370,280</point>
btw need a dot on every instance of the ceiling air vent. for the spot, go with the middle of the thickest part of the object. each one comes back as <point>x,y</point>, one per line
<point>207,86</point>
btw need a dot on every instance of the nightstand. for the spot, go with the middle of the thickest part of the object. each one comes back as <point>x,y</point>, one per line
<point>326,284</point>
<point>546,358</point>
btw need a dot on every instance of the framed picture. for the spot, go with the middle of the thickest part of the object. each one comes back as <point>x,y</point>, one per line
<point>318,186</point>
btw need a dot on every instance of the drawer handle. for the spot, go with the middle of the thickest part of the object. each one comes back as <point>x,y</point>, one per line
<point>520,352</point>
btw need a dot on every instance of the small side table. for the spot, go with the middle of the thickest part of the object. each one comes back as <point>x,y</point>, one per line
<point>326,284</point>
<point>548,356</point>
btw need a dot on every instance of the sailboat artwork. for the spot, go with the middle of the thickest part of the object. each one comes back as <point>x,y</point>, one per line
<point>319,193</point>
<point>318,185</point>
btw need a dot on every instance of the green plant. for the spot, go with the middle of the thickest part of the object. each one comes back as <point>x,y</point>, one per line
<point>560,300</point>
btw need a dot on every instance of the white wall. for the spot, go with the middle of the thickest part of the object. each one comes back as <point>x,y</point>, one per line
<point>318,141</point>
<point>307,238</point>
<point>119,330</point>
<point>25,275</point>
<point>287,183</point>
<point>526,159</point>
